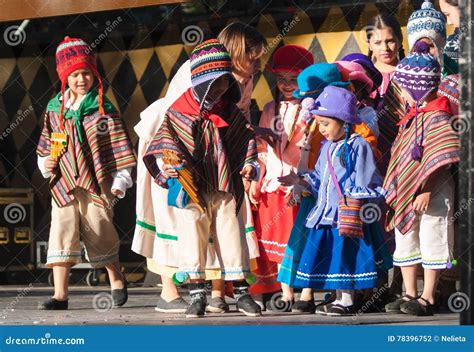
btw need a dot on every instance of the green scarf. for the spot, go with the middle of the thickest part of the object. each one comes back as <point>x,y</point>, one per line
<point>88,106</point>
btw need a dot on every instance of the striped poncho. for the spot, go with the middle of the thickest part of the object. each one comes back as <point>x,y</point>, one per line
<point>105,148</point>
<point>406,176</point>
<point>216,155</point>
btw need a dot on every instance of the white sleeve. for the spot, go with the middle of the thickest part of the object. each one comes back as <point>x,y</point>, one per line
<point>122,181</point>
<point>41,161</point>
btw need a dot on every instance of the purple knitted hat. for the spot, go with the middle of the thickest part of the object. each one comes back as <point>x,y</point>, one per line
<point>338,103</point>
<point>419,73</point>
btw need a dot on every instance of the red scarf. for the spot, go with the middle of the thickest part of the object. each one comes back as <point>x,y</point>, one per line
<point>188,105</point>
<point>439,104</point>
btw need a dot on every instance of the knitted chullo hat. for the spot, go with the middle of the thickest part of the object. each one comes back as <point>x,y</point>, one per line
<point>419,74</point>
<point>73,54</point>
<point>427,23</point>
<point>209,61</point>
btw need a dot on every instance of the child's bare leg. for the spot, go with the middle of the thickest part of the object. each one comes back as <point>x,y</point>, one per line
<point>218,288</point>
<point>288,294</point>
<point>61,281</point>
<point>169,291</point>
<point>306,295</point>
<point>429,286</point>
<point>409,279</point>
<point>116,277</point>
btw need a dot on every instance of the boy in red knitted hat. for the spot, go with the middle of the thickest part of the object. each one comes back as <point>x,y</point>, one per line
<point>85,152</point>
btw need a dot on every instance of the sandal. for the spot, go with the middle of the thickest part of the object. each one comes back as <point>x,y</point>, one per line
<point>414,307</point>
<point>394,307</point>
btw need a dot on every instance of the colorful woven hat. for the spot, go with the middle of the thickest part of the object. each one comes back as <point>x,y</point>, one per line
<point>427,23</point>
<point>339,103</point>
<point>419,73</point>
<point>290,58</point>
<point>369,66</point>
<point>313,79</point>
<point>209,61</point>
<point>352,71</point>
<point>73,54</point>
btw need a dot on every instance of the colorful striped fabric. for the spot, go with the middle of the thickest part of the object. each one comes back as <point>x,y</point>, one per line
<point>393,110</point>
<point>215,155</point>
<point>405,176</point>
<point>105,150</point>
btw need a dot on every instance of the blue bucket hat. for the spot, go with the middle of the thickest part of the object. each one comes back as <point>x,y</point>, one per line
<point>313,79</point>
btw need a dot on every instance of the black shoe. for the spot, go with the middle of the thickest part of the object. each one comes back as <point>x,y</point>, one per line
<point>248,306</point>
<point>323,309</point>
<point>217,305</point>
<point>197,308</point>
<point>120,296</point>
<point>276,304</point>
<point>53,304</point>
<point>339,310</point>
<point>414,307</point>
<point>305,307</point>
<point>394,307</point>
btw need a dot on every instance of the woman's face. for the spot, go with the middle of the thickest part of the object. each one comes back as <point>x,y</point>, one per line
<point>287,84</point>
<point>331,129</point>
<point>433,49</point>
<point>451,12</point>
<point>384,45</point>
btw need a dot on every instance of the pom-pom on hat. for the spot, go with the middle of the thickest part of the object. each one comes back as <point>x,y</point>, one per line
<point>339,103</point>
<point>74,54</point>
<point>313,79</point>
<point>419,73</point>
<point>290,58</point>
<point>427,22</point>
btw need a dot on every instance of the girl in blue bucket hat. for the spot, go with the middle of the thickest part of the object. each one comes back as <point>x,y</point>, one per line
<point>341,253</point>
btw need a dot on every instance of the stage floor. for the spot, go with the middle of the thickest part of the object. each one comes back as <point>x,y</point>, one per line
<point>18,306</point>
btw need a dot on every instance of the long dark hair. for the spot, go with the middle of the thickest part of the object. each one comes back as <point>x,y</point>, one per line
<point>384,20</point>
<point>452,2</point>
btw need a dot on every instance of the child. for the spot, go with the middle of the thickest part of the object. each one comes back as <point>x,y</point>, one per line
<point>334,259</point>
<point>208,133</point>
<point>155,234</point>
<point>419,185</point>
<point>311,82</point>
<point>276,208</point>
<point>450,8</point>
<point>385,38</point>
<point>94,165</point>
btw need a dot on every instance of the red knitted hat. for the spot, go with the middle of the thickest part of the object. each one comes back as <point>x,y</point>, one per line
<point>73,54</point>
<point>291,58</point>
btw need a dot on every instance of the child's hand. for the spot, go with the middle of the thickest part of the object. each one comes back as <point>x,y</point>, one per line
<point>248,172</point>
<point>292,179</point>
<point>170,170</point>
<point>116,192</point>
<point>51,164</point>
<point>421,202</point>
<point>254,193</point>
